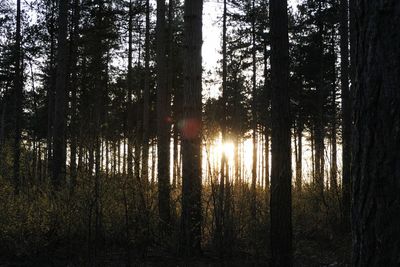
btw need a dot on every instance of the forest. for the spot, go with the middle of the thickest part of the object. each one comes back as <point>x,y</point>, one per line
<point>200,133</point>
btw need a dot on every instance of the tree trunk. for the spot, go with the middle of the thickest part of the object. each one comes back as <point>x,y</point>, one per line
<point>191,131</point>
<point>319,117</point>
<point>73,88</point>
<point>346,111</point>
<point>60,120</point>
<point>376,135</point>
<point>139,135</point>
<point>163,121</point>
<point>18,94</point>
<point>129,104</point>
<point>254,114</point>
<point>146,100</point>
<point>334,167</point>
<point>51,89</point>
<point>281,210</point>
<point>299,156</point>
<point>220,210</point>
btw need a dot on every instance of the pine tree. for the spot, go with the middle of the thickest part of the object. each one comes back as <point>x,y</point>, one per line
<point>376,135</point>
<point>281,210</point>
<point>191,131</point>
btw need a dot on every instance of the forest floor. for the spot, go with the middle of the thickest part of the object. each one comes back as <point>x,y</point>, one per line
<point>308,253</point>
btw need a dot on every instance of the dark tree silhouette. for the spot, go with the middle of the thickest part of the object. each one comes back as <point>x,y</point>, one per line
<point>376,135</point>
<point>60,120</point>
<point>191,129</point>
<point>281,209</point>
<point>18,95</point>
<point>163,119</point>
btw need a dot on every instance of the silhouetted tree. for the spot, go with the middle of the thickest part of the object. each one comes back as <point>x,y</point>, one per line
<point>281,173</point>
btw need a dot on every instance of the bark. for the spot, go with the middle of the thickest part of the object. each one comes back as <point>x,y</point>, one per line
<point>334,167</point>
<point>146,99</point>
<point>18,95</point>
<point>376,135</point>
<point>191,131</point>
<point>319,117</point>
<point>139,135</point>
<point>281,211</point>
<point>73,88</point>
<point>60,120</point>
<point>163,120</point>
<point>346,110</point>
<point>220,210</point>
<point>2,137</point>
<point>51,89</point>
<point>254,114</point>
<point>299,156</point>
<point>129,108</point>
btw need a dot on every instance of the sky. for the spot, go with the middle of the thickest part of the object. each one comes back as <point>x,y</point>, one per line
<point>212,32</point>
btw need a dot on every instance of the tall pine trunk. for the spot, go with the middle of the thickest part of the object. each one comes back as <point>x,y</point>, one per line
<point>376,135</point>
<point>129,105</point>
<point>146,100</point>
<point>191,131</point>
<point>346,110</point>
<point>220,210</point>
<point>18,95</point>
<point>281,209</point>
<point>60,120</point>
<point>163,120</point>
<point>254,114</point>
<point>73,131</point>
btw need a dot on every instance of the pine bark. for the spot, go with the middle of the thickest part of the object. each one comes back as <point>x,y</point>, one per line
<point>73,88</point>
<point>129,107</point>
<point>254,113</point>
<point>281,210</point>
<point>346,110</point>
<point>376,135</point>
<point>163,120</point>
<point>146,100</point>
<point>191,131</point>
<point>18,95</point>
<point>60,120</point>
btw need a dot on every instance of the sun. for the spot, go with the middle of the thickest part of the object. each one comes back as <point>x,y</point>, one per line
<point>226,148</point>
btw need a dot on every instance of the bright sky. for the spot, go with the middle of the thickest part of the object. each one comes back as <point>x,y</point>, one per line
<point>212,32</point>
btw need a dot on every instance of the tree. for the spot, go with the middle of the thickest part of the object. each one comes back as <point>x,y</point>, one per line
<point>73,69</point>
<point>346,108</point>
<point>18,95</point>
<point>281,210</point>
<point>376,135</point>
<point>191,129</point>
<point>146,99</point>
<point>163,119</point>
<point>60,120</point>
<point>224,175</point>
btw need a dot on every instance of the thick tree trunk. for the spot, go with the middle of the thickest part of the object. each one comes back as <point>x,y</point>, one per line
<point>60,120</point>
<point>376,135</point>
<point>163,120</point>
<point>191,131</point>
<point>281,209</point>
